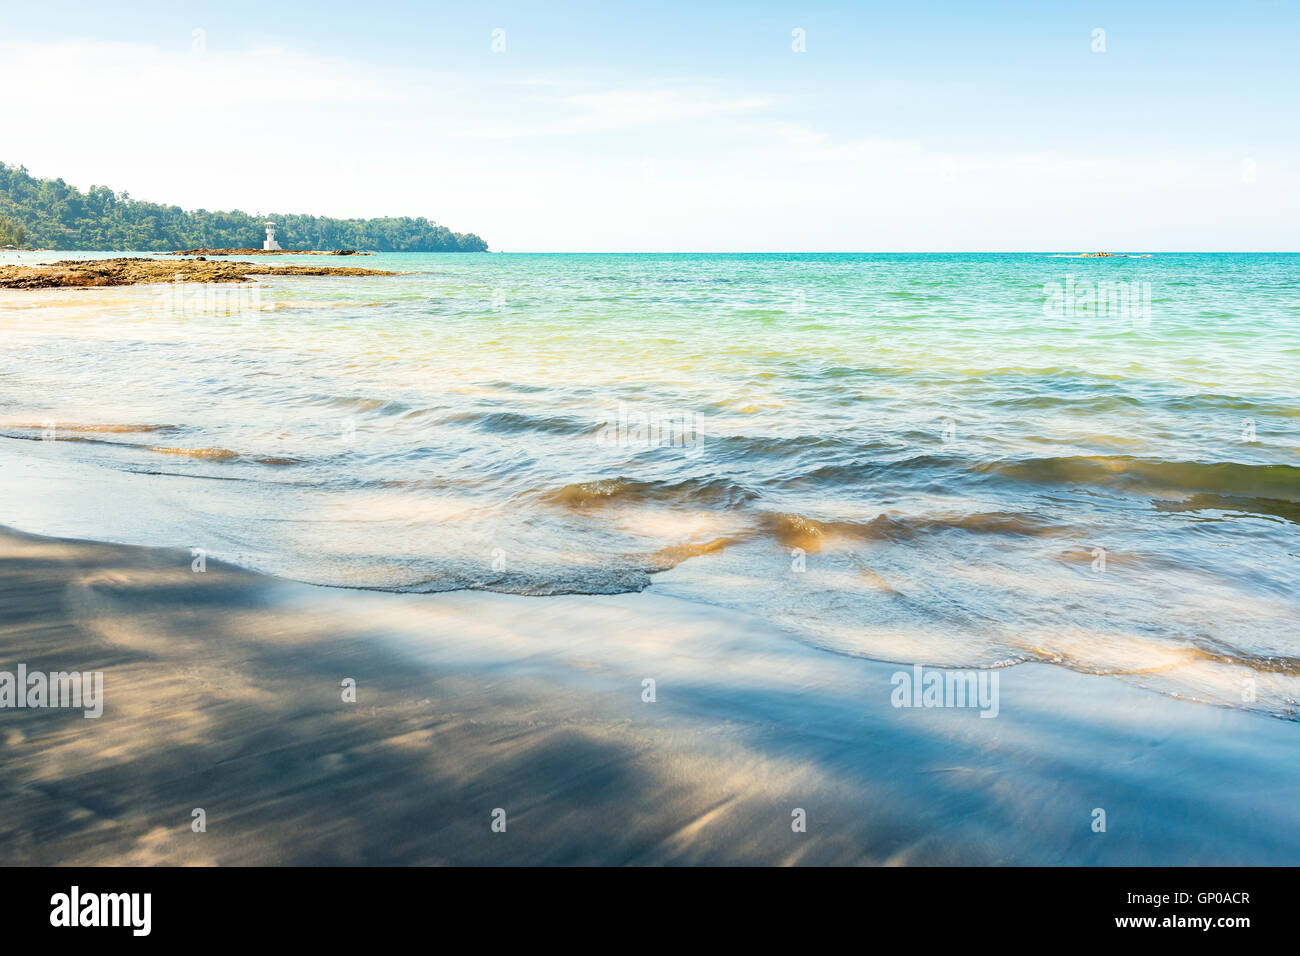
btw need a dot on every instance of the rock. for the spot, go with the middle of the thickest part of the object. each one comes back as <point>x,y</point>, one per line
<point>87,273</point>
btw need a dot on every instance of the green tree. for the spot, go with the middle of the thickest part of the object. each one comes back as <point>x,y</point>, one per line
<point>58,216</point>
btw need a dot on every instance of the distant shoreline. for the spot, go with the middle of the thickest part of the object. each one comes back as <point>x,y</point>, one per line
<point>48,212</point>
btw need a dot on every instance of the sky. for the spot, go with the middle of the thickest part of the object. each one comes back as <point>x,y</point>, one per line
<point>684,126</point>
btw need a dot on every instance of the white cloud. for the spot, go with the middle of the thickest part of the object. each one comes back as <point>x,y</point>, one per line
<point>680,164</point>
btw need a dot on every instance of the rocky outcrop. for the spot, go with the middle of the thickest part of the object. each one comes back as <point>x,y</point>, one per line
<point>89,273</point>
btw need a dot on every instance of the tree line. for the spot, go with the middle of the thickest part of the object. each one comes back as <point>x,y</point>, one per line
<point>50,214</point>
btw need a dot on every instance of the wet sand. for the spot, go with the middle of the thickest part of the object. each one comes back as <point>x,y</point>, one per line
<point>222,692</point>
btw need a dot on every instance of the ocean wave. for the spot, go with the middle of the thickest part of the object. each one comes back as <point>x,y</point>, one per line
<point>361,403</point>
<point>798,531</point>
<point>511,422</point>
<point>863,473</point>
<point>1123,472</point>
<point>216,453</point>
<point>777,447</point>
<point>83,434</point>
<point>715,492</point>
<point>61,429</point>
<point>1271,507</point>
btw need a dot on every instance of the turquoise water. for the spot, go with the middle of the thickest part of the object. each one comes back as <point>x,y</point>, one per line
<point>953,459</point>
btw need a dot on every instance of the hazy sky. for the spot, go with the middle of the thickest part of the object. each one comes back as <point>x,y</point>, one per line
<point>667,126</point>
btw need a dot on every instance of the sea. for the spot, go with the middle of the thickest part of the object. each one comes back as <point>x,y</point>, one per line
<point>958,460</point>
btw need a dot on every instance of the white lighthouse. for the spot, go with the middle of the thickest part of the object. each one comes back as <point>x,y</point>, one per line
<point>270,238</point>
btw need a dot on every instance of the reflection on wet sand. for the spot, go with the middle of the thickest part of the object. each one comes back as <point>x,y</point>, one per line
<point>223,692</point>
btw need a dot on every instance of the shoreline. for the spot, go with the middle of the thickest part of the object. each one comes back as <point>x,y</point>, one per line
<point>222,691</point>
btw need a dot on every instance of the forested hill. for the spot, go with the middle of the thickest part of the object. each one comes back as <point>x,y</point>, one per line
<point>50,214</point>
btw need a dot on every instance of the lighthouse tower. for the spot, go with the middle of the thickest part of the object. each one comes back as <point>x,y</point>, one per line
<point>270,238</point>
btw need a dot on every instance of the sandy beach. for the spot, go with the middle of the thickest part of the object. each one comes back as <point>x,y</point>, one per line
<point>222,691</point>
